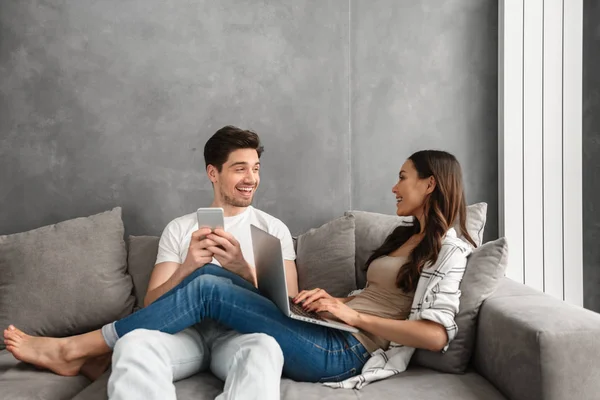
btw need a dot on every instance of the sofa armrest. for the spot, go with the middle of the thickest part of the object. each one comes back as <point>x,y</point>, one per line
<point>533,346</point>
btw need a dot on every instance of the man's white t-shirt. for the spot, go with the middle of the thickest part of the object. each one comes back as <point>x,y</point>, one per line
<point>175,239</point>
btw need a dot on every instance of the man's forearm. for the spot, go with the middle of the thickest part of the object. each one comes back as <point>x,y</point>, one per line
<point>178,276</point>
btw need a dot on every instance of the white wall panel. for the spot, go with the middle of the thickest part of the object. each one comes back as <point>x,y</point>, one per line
<point>510,119</point>
<point>572,151</point>
<point>533,229</point>
<point>540,130</point>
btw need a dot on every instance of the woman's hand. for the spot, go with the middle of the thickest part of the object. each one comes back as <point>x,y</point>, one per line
<point>306,297</point>
<point>319,300</point>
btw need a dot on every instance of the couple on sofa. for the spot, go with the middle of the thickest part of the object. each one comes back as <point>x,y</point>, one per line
<point>202,309</point>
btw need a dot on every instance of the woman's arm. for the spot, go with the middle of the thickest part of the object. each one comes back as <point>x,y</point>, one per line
<point>421,334</point>
<point>434,325</point>
<point>291,277</point>
<point>345,299</point>
<point>424,334</point>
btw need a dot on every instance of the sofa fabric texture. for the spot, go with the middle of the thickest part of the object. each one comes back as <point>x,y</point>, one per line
<point>325,257</point>
<point>140,262</point>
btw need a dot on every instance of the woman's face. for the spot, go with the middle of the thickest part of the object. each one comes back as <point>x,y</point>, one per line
<point>411,192</point>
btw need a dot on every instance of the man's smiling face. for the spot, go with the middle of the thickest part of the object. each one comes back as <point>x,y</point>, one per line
<point>238,179</point>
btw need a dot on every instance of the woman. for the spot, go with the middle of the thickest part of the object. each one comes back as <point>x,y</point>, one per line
<point>429,188</point>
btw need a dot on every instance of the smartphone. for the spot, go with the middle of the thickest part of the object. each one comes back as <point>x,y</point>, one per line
<point>210,217</point>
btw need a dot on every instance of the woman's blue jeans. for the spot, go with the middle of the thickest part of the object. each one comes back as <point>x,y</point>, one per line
<point>312,353</point>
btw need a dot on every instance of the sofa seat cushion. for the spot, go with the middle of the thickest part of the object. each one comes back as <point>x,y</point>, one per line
<point>20,381</point>
<point>416,383</point>
<point>7,361</point>
<point>202,386</point>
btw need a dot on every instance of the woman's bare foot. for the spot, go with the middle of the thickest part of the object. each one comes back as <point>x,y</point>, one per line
<point>95,367</point>
<point>49,353</point>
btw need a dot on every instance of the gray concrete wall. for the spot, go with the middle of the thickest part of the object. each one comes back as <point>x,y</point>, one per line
<point>109,103</point>
<point>591,155</point>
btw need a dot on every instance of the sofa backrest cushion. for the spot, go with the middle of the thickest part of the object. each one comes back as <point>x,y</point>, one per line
<point>485,270</point>
<point>66,278</point>
<point>140,263</point>
<point>371,229</point>
<point>325,257</point>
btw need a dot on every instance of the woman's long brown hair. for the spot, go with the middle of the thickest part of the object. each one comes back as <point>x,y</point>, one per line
<point>442,207</point>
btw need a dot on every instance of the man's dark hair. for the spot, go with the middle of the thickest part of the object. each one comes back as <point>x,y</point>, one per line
<point>225,141</point>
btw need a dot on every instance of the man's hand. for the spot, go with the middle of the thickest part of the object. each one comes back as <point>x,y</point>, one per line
<point>228,252</point>
<point>198,254</point>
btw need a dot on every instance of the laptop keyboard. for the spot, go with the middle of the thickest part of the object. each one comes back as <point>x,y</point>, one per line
<point>298,310</point>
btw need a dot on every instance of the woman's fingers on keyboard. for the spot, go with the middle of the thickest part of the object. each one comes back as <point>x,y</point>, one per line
<point>318,294</point>
<point>306,296</point>
<point>301,296</point>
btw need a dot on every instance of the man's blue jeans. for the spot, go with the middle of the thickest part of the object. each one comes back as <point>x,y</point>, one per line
<point>312,353</point>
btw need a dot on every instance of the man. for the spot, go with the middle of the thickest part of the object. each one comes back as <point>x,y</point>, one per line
<point>146,363</point>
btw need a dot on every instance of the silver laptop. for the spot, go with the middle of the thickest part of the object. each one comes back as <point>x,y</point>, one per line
<point>270,274</point>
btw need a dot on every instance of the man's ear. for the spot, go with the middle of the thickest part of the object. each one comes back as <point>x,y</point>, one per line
<point>431,185</point>
<point>212,173</point>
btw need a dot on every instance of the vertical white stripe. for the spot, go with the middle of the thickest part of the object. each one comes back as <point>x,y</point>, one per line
<point>510,131</point>
<point>572,149</point>
<point>552,147</point>
<point>532,143</point>
<point>350,166</point>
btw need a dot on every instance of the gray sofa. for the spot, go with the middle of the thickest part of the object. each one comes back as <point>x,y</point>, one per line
<point>528,345</point>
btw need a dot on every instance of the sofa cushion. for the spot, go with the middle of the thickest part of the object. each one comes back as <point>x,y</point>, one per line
<point>23,382</point>
<point>414,384</point>
<point>201,386</point>
<point>475,223</point>
<point>484,272</point>
<point>371,229</point>
<point>421,383</point>
<point>325,257</point>
<point>7,362</point>
<point>67,278</point>
<point>140,263</point>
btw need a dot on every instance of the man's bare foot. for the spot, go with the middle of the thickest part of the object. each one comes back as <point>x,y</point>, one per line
<point>50,353</point>
<point>95,367</point>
